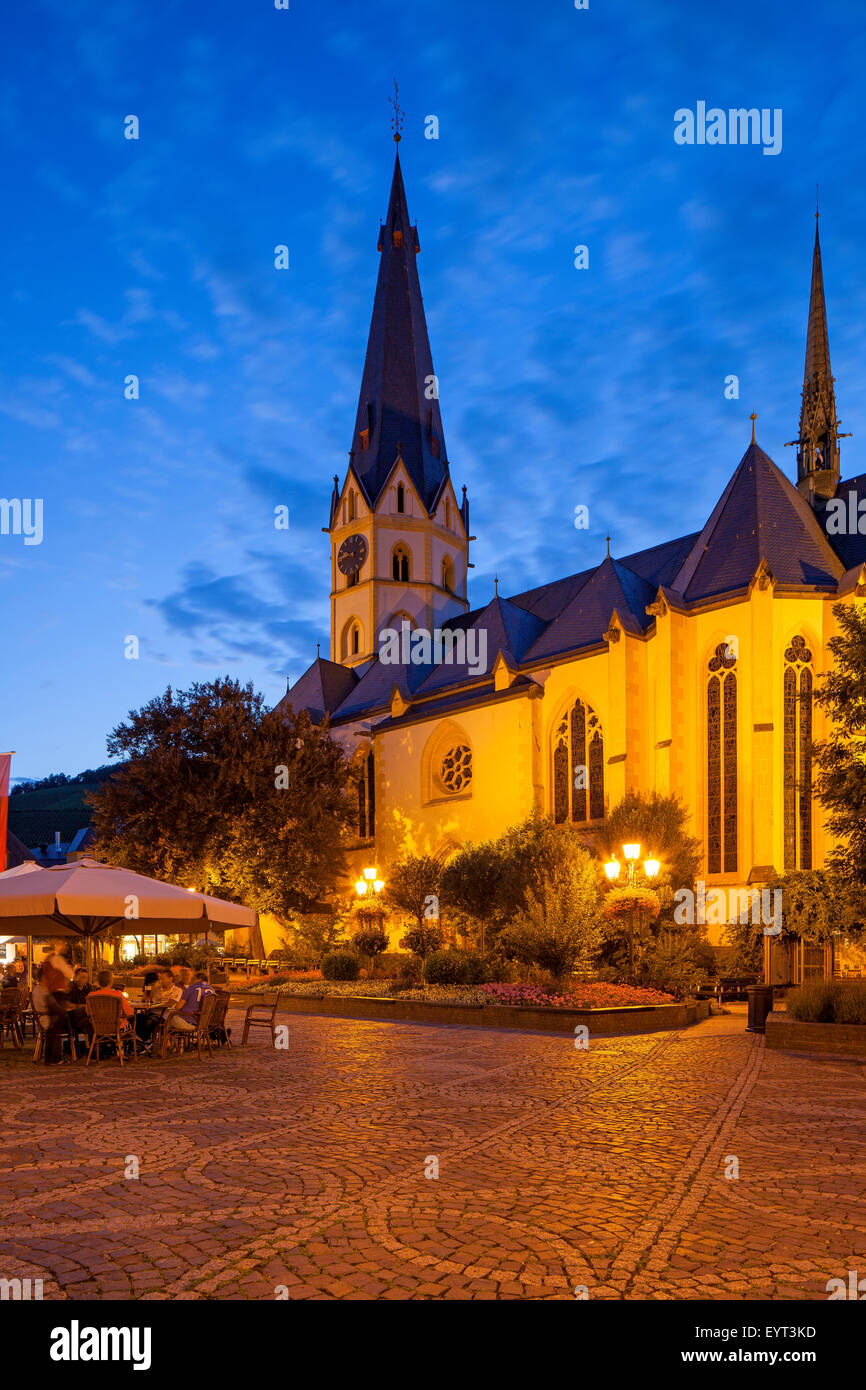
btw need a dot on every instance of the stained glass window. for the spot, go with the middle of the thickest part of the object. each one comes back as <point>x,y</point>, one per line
<point>578,766</point>
<point>797,759</point>
<point>367,800</point>
<point>722,762</point>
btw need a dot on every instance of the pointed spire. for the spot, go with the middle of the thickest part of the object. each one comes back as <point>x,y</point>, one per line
<point>398,409</point>
<point>818,442</point>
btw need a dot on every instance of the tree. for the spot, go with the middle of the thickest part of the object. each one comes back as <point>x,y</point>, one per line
<point>840,760</point>
<point>490,881</point>
<point>561,924</point>
<point>424,937</point>
<point>816,905</point>
<point>414,886</point>
<point>370,941</point>
<point>220,794</point>
<point>470,884</point>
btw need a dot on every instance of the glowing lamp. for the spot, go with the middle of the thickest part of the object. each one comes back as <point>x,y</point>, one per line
<point>370,874</point>
<point>651,867</point>
<point>361,887</point>
<point>631,851</point>
<point>612,869</point>
<point>379,885</point>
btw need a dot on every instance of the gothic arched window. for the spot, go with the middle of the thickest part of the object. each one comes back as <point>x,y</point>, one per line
<point>722,762</point>
<point>350,644</point>
<point>367,799</point>
<point>797,692</point>
<point>400,564</point>
<point>353,505</point>
<point>448,574</point>
<point>401,498</point>
<point>578,766</point>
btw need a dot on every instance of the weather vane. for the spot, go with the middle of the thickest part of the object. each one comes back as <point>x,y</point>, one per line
<point>397,122</point>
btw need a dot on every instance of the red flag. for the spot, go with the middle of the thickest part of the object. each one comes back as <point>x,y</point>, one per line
<point>5,765</point>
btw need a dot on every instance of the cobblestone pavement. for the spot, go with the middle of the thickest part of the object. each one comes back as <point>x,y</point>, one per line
<point>301,1173</point>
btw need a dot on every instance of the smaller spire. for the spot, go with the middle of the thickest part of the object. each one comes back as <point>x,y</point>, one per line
<point>607,543</point>
<point>318,650</point>
<point>753,417</point>
<point>496,586</point>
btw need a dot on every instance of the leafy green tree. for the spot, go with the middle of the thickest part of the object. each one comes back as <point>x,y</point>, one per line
<point>817,904</point>
<point>414,885</point>
<point>370,941</point>
<point>220,794</point>
<point>424,937</point>
<point>840,760</point>
<point>561,924</point>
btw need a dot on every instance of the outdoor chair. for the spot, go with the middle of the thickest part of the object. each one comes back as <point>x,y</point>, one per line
<point>254,1019</point>
<point>11,1010</point>
<point>41,1033</point>
<point>218,1032</point>
<point>106,1019</point>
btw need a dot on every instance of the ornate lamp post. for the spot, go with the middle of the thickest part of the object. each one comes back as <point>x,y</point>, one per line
<point>371,886</point>
<point>631,854</point>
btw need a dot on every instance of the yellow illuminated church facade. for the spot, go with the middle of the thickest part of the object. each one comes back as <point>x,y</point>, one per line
<point>684,668</point>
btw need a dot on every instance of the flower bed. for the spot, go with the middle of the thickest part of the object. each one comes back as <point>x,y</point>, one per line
<point>586,995</point>
<point>583,995</point>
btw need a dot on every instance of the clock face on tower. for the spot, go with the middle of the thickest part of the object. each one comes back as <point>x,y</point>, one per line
<point>352,554</point>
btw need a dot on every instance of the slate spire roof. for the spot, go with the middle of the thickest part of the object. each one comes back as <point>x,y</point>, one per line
<point>760,515</point>
<point>395,413</point>
<point>818,441</point>
<point>817,338</point>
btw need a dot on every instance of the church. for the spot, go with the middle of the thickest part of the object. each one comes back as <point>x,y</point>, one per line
<point>685,668</point>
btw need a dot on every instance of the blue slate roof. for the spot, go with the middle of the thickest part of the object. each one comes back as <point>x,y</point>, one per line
<point>760,515</point>
<point>321,689</point>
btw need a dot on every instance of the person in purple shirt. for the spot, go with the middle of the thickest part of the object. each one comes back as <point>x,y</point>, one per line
<point>185,1016</point>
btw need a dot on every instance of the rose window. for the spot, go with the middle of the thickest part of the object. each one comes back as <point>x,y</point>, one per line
<point>456,770</point>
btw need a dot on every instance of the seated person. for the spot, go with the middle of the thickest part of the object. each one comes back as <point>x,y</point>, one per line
<point>105,981</point>
<point>163,991</point>
<point>202,979</point>
<point>184,1016</point>
<point>78,992</point>
<point>13,977</point>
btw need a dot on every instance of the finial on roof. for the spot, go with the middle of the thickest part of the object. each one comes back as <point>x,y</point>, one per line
<point>607,543</point>
<point>397,119</point>
<point>464,489</point>
<point>753,417</point>
<point>496,586</point>
<point>318,650</point>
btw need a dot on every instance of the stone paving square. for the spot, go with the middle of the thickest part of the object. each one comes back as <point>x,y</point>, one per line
<point>301,1174</point>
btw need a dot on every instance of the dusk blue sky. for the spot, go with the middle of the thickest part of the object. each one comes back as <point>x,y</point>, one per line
<point>558,387</point>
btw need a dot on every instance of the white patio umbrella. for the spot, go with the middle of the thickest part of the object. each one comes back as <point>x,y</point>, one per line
<point>87,899</point>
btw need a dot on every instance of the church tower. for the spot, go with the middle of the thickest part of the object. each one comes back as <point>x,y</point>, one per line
<point>399,540</point>
<point>818,442</point>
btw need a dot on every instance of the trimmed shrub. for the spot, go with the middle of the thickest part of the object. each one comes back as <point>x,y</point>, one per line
<point>446,968</point>
<point>340,965</point>
<point>814,1002</point>
<point>851,1003</point>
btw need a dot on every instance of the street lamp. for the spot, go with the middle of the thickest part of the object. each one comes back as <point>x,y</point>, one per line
<point>631,853</point>
<point>372,884</point>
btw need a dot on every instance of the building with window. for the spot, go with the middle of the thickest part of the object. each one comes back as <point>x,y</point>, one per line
<point>688,667</point>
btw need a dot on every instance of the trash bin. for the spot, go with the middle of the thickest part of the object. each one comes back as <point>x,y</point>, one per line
<point>760,999</point>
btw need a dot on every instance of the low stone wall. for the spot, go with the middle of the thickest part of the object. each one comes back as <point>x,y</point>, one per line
<point>634,1018</point>
<point>836,1039</point>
